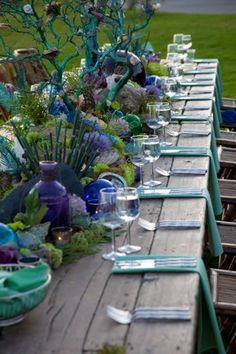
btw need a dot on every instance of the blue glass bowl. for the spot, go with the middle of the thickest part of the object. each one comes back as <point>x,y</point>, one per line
<point>92,189</point>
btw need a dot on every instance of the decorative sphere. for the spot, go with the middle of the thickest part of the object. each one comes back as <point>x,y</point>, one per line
<point>92,189</point>
<point>153,80</point>
<point>8,237</point>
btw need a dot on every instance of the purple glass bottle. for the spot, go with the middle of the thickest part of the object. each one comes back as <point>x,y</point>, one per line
<point>53,193</point>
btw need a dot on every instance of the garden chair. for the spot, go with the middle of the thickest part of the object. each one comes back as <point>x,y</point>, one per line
<point>223,285</point>
<point>228,198</point>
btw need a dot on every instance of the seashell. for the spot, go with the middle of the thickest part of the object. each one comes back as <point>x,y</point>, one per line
<point>33,237</point>
<point>108,157</point>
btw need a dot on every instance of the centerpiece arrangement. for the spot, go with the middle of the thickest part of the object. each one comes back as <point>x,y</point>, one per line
<point>65,133</point>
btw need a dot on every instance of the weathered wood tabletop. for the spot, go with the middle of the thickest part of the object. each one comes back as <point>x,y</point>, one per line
<point>72,319</point>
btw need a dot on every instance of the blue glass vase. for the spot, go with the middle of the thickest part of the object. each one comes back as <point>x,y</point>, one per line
<point>53,194</point>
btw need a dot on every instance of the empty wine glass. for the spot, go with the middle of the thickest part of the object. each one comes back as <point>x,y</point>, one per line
<point>151,117</point>
<point>164,117</point>
<point>136,154</point>
<point>110,218</point>
<point>151,151</point>
<point>170,86</point>
<point>128,209</point>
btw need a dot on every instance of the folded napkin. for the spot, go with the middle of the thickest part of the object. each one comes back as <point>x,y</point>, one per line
<point>25,279</point>
<point>214,167</point>
<point>161,193</point>
<point>209,336</point>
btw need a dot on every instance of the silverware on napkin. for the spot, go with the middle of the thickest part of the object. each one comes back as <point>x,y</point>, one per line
<point>158,313</point>
<point>169,224</point>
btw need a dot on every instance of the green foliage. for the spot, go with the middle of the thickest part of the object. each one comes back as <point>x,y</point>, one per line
<point>30,105</point>
<point>84,242</point>
<point>128,172</point>
<point>100,167</point>
<point>112,349</point>
<point>56,255</point>
<point>57,146</point>
<point>34,212</point>
<point>156,69</point>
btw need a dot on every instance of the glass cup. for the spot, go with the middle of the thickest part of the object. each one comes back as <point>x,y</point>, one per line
<point>110,218</point>
<point>172,48</point>
<point>164,117</point>
<point>151,151</point>
<point>136,154</point>
<point>151,117</point>
<point>178,38</point>
<point>190,54</point>
<point>128,209</point>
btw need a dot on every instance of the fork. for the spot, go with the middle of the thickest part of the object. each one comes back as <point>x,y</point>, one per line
<point>181,171</point>
<point>159,313</point>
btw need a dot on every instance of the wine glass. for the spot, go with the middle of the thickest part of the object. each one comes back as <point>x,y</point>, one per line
<point>151,151</point>
<point>151,117</point>
<point>164,117</point>
<point>110,218</point>
<point>136,154</point>
<point>170,86</point>
<point>128,210</point>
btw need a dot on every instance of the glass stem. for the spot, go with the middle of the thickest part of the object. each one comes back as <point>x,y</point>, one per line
<point>113,240</point>
<point>164,133</point>
<point>128,233</point>
<point>152,173</point>
<point>141,176</point>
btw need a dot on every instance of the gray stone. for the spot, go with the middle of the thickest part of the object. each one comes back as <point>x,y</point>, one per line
<point>131,99</point>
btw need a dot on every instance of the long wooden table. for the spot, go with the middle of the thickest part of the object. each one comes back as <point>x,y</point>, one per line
<point>73,320</point>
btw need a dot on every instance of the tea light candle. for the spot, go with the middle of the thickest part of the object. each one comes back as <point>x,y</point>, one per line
<point>61,235</point>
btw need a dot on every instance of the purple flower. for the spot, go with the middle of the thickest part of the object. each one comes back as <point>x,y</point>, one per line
<point>77,205</point>
<point>102,142</point>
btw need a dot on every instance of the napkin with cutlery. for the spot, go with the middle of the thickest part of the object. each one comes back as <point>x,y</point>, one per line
<point>214,167</point>
<point>209,336</point>
<point>214,236</point>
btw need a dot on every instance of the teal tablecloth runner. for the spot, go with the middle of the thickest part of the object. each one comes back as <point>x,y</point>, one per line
<point>162,193</point>
<point>217,119</point>
<point>209,336</point>
<point>214,168</point>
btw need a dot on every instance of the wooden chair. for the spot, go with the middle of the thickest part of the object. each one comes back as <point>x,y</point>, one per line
<point>227,161</point>
<point>223,285</point>
<point>228,198</point>
<point>227,139</point>
<point>228,103</point>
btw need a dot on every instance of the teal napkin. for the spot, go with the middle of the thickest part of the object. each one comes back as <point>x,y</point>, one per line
<point>189,118</point>
<point>161,193</point>
<point>209,336</point>
<point>217,119</point>
<point>24,279</point>
<point>214,168</point>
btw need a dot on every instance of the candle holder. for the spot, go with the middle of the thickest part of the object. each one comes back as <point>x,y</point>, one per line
<point>61,235</point>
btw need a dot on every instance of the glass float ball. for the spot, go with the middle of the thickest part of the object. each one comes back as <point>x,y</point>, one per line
<point>92,189</point>
<point>153,80</point>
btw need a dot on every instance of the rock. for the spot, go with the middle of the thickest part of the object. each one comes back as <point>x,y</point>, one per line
<point>34,236</point>
<point>131,99</point>
<point>14,202</point>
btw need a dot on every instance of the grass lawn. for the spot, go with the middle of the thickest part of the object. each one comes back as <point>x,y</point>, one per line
<point>213,36</point>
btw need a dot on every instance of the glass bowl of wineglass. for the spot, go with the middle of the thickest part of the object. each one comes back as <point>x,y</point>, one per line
<point>151,117</point>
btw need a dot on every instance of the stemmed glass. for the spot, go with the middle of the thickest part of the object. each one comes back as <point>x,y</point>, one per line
<point>164,117</point>
<point>151,117</point>
<point>128,210</point>
<point>151,151</point>
<point>136,154</point>
<point>110,218</point>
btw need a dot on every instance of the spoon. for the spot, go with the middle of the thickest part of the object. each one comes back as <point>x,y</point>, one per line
<point>159,313</point>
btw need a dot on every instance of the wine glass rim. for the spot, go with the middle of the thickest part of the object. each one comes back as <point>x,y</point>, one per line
<point>108,190</point>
